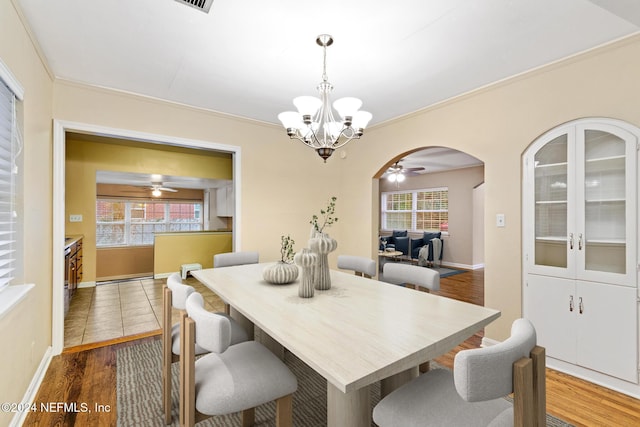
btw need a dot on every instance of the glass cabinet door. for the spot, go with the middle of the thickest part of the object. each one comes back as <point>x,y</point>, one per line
<point>551,187</point>
<point>603,237</point>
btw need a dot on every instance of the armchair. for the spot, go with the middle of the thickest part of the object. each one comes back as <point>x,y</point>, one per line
<point>426,240</point>
<point>399,240</point>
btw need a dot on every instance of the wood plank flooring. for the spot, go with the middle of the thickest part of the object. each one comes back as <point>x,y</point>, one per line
<point>88,374</point>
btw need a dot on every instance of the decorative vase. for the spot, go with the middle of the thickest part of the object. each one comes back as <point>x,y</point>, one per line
<point>307,262</point>
<point>280,273</point>
<point>322,244</point>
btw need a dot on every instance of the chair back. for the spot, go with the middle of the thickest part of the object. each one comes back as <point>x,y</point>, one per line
<point>395,272</point>
<point>213,331</point>
<point>228,259</point>
<point>361,265</point>
<point>179,291</point>
<point>487,373</point>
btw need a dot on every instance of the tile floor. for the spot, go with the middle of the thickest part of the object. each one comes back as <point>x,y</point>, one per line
<point>120,309</point>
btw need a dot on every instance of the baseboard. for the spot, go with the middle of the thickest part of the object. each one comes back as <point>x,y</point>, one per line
<point>162,275</point>
<point>34,386</point>
<point>87,285</point>
<point>462,266</point>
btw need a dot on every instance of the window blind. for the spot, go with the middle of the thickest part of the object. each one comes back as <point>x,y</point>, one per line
<point>9,140</point>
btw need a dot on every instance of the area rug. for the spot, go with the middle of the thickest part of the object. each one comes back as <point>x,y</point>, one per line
<point>139,391</point>
<point>446,272</point>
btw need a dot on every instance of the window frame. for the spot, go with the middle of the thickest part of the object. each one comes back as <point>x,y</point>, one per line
<point>129,226</point>
<point>414,210</point>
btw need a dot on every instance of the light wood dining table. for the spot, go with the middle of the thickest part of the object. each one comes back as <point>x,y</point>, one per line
<point>359,332</point>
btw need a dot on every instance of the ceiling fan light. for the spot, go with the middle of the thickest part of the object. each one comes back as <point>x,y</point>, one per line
<point>392,177</point>
<point>347,106</point>
<point>400,177</point>
<point>307,105</point>
<point>156,193</point>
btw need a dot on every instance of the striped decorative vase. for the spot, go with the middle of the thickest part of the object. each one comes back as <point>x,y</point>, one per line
<point>322,244</point>
<point>306,260</point>
<point>280,273</point>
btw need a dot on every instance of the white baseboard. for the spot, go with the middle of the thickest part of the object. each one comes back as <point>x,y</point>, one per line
<point>32,390</point>
<point>162,275</point>
<point>87,284</point>
<point>462,266</point>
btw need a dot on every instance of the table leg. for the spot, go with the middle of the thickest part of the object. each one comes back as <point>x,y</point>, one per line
<point>351,409</point>
<point>262,337</point>
<point>246,324</point>
<point>393,382</point>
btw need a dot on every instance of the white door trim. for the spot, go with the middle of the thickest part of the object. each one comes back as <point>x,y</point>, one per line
<point>60,128</point>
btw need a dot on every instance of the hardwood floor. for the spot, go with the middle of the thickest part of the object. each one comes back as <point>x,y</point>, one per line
<point>88,375</point>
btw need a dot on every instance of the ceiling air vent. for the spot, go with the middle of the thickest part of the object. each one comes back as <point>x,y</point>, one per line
<point>203,5</point>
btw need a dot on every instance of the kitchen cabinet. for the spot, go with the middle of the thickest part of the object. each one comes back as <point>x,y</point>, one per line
<point>225,201</point>
<point>580,245</point>
<point>73,267</point>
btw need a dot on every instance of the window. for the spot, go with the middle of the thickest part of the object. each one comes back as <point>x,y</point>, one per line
<point>416,210</point>
<point>10,148</point>
<point>134,223</point>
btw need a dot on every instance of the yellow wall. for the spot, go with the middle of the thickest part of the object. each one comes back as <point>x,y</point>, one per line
<point>84,158</point>
<point>26,330</point>
<point>171,250</point>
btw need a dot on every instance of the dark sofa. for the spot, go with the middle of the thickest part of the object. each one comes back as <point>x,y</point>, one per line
<point>400,241</point>
<point>425,240</point>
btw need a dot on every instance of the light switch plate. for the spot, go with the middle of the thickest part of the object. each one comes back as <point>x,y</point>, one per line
<point>75,218</point>
<point>500,220</point>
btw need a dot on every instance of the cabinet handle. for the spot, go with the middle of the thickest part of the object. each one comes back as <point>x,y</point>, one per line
<point>581,306</point>
<point>570,302</point>
<point>580,241</point>
<point>570,240</point>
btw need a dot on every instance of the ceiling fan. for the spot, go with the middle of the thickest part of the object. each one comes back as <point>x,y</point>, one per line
<point>157,189</point>
<point>396,173</point>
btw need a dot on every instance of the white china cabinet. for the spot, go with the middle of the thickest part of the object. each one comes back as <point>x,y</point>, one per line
<point>580,249</point>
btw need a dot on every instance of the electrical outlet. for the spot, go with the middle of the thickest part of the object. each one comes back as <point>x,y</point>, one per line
<point>500,220</point>
<point>75,218</point>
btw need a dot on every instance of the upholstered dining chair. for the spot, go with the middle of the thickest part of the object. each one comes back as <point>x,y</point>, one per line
<point>175,295</point>
<point>228,259</point>
<point>473,394</point>
<point>399,273</point>
<point>360,265</point>
<point>231,378</point>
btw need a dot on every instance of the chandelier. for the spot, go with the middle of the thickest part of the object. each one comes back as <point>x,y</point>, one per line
<point>314,123</point>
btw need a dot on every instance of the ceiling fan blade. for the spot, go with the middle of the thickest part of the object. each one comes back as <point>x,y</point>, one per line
<point>171,190</point>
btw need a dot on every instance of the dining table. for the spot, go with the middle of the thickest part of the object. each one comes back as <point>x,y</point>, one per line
<point>358,332</point>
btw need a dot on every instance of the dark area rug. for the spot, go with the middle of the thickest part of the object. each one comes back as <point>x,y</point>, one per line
<point>139,391</point>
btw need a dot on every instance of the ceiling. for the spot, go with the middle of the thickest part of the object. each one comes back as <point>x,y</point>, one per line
<point>250,58</point>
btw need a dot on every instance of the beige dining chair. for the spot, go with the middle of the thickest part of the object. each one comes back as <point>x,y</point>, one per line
<point>412,275</point>
<point>175,295</point>
<point>360,265</point>
<point>472,395</point>
<point>229,259</point>
<point>231,378</point>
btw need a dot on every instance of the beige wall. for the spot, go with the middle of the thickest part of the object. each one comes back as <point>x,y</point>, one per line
<point>494,125</point>
<point>458,244</point>
<point>84,158</point>
<point>28,326</point>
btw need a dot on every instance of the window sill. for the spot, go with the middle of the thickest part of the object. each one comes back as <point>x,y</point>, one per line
<point>11,296</point>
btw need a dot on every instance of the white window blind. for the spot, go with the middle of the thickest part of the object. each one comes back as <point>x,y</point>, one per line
<point>9,149</point>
